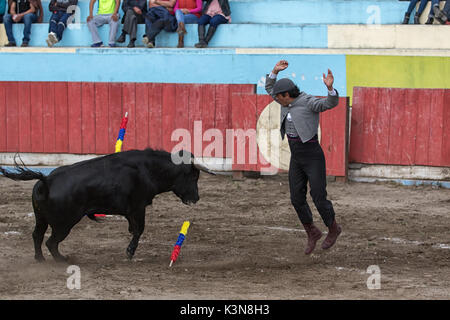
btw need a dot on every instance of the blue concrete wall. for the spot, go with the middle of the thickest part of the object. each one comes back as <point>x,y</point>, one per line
<point>171,66</point>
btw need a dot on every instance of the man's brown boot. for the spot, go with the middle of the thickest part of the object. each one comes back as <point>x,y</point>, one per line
<point>314,234</point>
<point>333,232</point>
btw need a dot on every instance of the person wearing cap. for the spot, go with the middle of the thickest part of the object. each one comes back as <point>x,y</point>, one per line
<point>299,121</point>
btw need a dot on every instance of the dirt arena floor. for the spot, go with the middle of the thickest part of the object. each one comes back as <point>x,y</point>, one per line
<point>245,242</point>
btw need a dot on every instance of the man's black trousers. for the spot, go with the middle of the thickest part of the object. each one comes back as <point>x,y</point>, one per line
<point>307,164</point>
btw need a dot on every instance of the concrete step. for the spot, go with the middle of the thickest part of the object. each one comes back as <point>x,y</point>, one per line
<point>230,35</point>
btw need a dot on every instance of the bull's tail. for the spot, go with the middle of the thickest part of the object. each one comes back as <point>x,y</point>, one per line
<point>21,172</point>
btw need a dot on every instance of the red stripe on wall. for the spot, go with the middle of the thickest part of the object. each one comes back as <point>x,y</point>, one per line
<point>88,118</point>
<point>25,116</point>
<point>75,117</point>
<point>142,115</point>
<point>446,130</point>
<point>409,124</point>
<point>12,117</point>
<point>3,118</point>
<point>155,115</point>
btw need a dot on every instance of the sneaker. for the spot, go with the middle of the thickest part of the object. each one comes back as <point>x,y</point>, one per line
<point>150,44</point>
<point>96,45</point>
<point>24,44</point>
<point>53,38</point>
<point>145,41</point>
<point>49,43</point>
<point>10,44</point>
<point>112,45</point>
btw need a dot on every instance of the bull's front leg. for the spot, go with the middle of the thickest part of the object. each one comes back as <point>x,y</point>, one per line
<point>136,221</point>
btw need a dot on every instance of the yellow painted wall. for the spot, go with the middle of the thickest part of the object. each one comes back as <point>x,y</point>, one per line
<point>397,72</point>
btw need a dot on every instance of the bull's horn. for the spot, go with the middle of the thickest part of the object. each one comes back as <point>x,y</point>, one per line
<point>200,166</point>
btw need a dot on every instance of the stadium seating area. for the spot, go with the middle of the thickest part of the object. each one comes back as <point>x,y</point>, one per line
<point>271,24</point>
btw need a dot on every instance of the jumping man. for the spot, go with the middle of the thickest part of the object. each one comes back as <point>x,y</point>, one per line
<point>300,122</point>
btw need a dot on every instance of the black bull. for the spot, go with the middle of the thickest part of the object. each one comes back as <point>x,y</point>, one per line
<point>121,183</point>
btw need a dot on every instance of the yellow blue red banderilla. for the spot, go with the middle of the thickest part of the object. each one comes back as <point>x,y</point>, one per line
<point>179,243</point>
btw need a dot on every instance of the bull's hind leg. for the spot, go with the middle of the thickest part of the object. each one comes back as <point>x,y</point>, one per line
<point>136,220</point>
<point>58,235</point>
<point>38,237</point>
<point>39,232</point>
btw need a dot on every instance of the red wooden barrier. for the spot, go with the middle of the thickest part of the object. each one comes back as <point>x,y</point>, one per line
<point>400,126</point>
<point>83,118</point>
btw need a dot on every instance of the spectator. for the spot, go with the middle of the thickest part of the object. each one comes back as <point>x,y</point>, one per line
<point>186,11</point>
<point>215,12</point>
<point>442,15</point>
<point>134,12</point>
<point>423,4</point>
<point>22,11</point>
<point>2,9</point>
<point>106,13</point>
<point>61,11</point>
<point>159,16</point>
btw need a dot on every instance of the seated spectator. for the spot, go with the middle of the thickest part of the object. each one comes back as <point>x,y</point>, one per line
<point>106,13</point>
<point>58,21</point>
<point>215,12</point>
<point>186,11</point>
<point>2,9</point>
<point>159,16</point>
<point>423,4</point>
<point>22,11</point>
<point>442,16</point>
<point>134,12</point>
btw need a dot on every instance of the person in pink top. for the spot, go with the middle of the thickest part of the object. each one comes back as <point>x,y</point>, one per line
<point>186,11</point>
<point>214,12</point>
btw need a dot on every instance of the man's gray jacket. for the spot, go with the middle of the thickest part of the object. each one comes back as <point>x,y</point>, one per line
<point>304,111</point>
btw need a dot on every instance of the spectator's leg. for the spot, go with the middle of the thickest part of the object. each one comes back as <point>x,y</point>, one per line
<point>156,28</point>
<point>129,25</point>
<point>93,25</point>
<point>132,28</point>
<point>430,19</point>
<point>62,24</point>
<point>113,26</point>
<point>202,22</point>
<point>447,9</point>
<point>8,21</point>
<point>190,18</point>
<point>214,23</point>
<point>441,15</point>
<point>411,7</point>
<point>181,30</point>
<point>28,20</point>
<point>53,23</point>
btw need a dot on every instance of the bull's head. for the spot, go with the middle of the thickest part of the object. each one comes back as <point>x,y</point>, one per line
<point>186,185</point>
